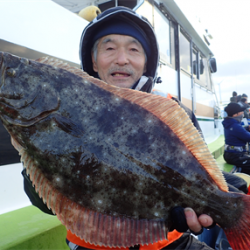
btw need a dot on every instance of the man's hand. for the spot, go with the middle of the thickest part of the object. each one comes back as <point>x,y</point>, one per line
<point>194,223</point>
<point>184,219</point>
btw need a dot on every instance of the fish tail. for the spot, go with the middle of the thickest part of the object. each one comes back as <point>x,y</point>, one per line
<point>239,235</point>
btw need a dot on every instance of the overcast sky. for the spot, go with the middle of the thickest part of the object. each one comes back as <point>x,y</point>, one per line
<point>228,21</point>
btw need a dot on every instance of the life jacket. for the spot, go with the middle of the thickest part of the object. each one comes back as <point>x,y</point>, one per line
<point>172,236</point>
<point>158,92</point>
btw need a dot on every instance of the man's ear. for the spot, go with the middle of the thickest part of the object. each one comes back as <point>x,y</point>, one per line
<point>94,63</point>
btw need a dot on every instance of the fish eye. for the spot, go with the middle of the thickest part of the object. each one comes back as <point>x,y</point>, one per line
<point>11,72</point>
<point>25,61</point>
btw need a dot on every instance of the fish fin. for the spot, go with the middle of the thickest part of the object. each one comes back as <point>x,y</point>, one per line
<point>16,145</point>
<point>67,125</point>
<point>63,65</point>
<point>94,227</point>
<point>239,235</point>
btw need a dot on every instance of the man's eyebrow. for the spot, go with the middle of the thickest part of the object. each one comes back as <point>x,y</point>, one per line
<point>107,40</point>
<point>135,41</point>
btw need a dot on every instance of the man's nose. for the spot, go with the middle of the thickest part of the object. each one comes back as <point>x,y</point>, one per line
<point>122,57</point>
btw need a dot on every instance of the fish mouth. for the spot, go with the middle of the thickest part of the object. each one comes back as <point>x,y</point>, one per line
<point>16,99</point>
<point>10,115</point>
<point>7,112</point>
<point>13,96</point>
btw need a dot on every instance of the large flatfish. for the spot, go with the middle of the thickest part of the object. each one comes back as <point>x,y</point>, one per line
<point>112,162</point>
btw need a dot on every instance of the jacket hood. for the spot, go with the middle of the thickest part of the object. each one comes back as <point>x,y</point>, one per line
<point>115,14</point>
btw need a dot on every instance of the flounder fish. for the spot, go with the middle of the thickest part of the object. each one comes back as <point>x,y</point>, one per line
<point>111,162</point>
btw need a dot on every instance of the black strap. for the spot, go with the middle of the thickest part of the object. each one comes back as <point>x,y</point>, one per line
<point>147,87</point>
<point>136,247</point>
<point>33,195</point>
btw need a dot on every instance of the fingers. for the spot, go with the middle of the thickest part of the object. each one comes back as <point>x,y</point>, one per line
<point>205,220</point>
<point>195,224</point>
<point>192,220</point>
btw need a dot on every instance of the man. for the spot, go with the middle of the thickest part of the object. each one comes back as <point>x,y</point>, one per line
<point>244,95</point>
<point>243,103</point>
<point>124,52</point>
<point>120,47</point>
<point>234,97</point>
<point>236,138</point>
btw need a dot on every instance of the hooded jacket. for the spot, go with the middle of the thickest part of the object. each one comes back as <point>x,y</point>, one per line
<point>235,134</point>
<point>112,15</point>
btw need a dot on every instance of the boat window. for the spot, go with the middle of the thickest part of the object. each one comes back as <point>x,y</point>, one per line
<point>162,29</point>
<point>172,44</point>
<point>185,53</point>
<point>204,74</point>
<point>195,63</point>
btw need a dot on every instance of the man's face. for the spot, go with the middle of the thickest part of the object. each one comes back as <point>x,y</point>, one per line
<point>120,60</point>
<point>238,114</point>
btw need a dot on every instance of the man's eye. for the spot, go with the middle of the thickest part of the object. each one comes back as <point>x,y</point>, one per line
<point>110,48</point>
<point>11,72</point>
<point>134,49</point>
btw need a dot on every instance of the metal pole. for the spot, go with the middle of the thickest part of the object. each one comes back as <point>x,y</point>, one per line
<point>220,91</point>
<point>178,67</point>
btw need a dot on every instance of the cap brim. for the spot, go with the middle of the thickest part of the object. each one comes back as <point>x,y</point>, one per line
<point>242,109</point>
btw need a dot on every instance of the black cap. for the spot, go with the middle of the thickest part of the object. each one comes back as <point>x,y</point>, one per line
<point>233,108</point>
<point>234,93</point>
<point>124,28</point>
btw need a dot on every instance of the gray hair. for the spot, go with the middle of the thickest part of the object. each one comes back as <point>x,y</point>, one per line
<point>94,50</point>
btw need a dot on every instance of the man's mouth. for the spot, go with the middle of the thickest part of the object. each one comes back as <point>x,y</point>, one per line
<point>117,74</point>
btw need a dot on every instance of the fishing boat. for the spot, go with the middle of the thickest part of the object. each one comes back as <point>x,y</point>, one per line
<point>34,29</point>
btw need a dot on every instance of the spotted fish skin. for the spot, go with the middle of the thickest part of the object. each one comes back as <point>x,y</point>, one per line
<point>106,150</point>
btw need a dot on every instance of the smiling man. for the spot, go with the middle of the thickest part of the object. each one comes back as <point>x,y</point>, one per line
<point>120,48</point>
